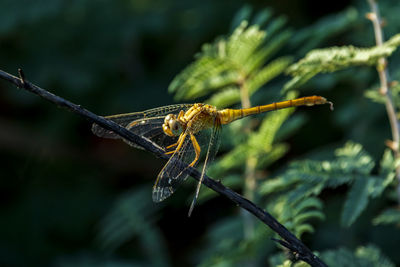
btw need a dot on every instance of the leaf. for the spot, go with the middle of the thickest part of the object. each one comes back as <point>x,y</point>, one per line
<point>356,201</point>
<point>267,73</point>
<point>365,256</point>
<point>133,216</point>
<point>224,98</point>
<point>375,96</point>
<point>388,216</point>
<point>373,255</point>
<point>337,58</point>
<point>232,62</point>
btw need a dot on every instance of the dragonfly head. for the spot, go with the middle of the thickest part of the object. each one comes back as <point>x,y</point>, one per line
<point>171,126</point>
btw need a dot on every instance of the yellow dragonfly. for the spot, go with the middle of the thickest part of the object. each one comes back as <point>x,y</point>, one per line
<point>186,131</point>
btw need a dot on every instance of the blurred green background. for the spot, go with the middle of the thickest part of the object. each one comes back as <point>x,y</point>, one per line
<point>61,185</point>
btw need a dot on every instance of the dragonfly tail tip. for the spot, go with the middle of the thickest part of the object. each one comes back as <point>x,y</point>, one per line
<point>330,105</point>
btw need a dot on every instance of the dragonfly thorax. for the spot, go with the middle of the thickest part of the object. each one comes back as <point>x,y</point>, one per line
<point>172,126</point>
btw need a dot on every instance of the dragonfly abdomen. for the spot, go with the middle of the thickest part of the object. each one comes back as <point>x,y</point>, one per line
<point>229,115</point>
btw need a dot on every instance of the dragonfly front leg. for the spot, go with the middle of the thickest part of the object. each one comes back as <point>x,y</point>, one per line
<point>197,149</point>
<point>171,146</point>
<point>178,144</point>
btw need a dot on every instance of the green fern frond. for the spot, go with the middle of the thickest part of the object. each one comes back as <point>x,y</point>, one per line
<point>267,73</point>
<point>200,79</point>
<point>375,96</point>
<point>299,219</point>
<point>234,159</point>
<point>388,165</point>
<point>373,255</point>
<point>308,203</point>
<point>388,216</point>
<point>276,152</point>
<point>277,185</point>
<point>337,58</point>
<point>230,62</point>
<point>351,165</point>
<point>131,217</point>
<point>270,125</point>
<point>364,256</point>
<point>264,53</point>
<point>231,95</point>
<point>224,98</point>
<point>356,201</point>
<point>306,228</point>
<point>296,216</point>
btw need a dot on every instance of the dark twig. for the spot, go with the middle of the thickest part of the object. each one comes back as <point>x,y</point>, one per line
<point>292,243</point>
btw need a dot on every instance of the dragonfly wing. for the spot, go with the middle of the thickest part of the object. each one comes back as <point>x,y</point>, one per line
<point>173,173</point>
<point>151,129</point>
<point>127,118</point>
<point>213,145</point>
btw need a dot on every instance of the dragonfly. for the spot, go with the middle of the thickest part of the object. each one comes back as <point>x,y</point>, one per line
<point>188,132</point>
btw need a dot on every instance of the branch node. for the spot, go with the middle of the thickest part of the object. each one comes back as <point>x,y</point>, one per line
<point>392,145</point>
<point>21,78</point>
<point>371,16</point>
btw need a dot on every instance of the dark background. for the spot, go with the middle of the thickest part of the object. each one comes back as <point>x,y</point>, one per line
<point>59,181</point>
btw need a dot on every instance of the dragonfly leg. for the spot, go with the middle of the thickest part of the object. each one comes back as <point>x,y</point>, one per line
<point>180,143</point>
<point>130,125</point>
<point>173,145</point>
<point>180,115</point>
<point>197,149</point>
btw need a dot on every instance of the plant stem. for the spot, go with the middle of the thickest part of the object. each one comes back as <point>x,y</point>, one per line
<point>250,168</point>
<point>376,20</point>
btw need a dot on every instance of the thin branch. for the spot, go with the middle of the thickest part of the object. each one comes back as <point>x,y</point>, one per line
<point>296,246</point>
<point>376,20</point>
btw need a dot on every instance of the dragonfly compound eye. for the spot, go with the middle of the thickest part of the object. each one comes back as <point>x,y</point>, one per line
<point>175,127</point>
<point>171,126</point>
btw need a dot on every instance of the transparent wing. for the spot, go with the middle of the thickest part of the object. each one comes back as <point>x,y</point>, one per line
<point>151,129</point>
<point>147,124</point>
<point>173,173</point>
<point>212,150</point>
<point>127,118</point>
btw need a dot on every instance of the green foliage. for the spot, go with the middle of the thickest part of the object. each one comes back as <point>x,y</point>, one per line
<point>131,217</point>
<point>296,216</point>
<point>337,58</point>
<point>351,165</point>
<point>65,196</point>
<point>363,256</point>
<point>230,63</point>
<point>239,61</point>
<point>389,216</point>
<point>231,95</point>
